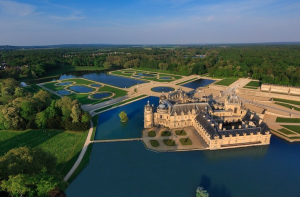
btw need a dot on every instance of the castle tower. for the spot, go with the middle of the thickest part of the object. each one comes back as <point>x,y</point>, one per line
<point>148,116</point>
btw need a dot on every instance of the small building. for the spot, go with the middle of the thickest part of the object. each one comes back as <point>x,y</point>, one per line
<point>292,90</point>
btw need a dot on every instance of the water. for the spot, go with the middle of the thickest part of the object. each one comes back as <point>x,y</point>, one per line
<point>162,89</point>
<point>63,92</point>
<point>110,126</point>
<point>101,95</point>
<point>146,75</point>
<point>99,76</point>
<point>65,83</point>
<point>198,83</point>
<point>137,76</point>
<point>81,89</point>
<point>127,169</point>
<point>96,85</point>
<point>165,77</point>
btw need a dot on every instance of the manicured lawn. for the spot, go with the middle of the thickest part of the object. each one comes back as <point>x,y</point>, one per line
<point>180,132</point>
<point>248,87</point>
<point>253,84</point>
<point>65,145</point>
<point>30,89</point>
<point>154,143</point>
<point>290,120</point>
<point>95,123</point>
<point>288,106</point>
<point>151,134</point>
<point>186,141</point>
<point>169,142</point>
<point>287,101</point>
<point>292,128</point>
<point>53,87</point>
<point>285,131</point>
<point>165,133</point>
<point>79,81</point>
<point>156,70</point>
<point>83,99</point>
<point>120,103</point>
<point>118,92</point>
<point>121,73</point>
<point>226,81</point>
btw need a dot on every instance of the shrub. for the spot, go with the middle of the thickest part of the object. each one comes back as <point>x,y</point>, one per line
<point>166,133</point>
<point>154,143</point>
<point>169,142</point>
<point>151,134</point>
<point>180,132</point>
<point>186,141</point>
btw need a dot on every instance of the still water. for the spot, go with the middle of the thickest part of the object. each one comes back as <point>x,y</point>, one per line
<point>127,169</point>
<point>198,83</point>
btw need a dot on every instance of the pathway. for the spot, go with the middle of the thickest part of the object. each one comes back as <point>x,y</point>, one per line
<point>79,159</point>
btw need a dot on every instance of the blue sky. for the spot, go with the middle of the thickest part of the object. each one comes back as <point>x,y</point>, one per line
<point>44,22</point>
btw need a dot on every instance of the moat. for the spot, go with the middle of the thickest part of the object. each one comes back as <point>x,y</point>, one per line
<point>252,171</point>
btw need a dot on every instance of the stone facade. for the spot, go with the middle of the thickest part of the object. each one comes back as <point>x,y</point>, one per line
<point>280,89</point>
<point>221,125</point>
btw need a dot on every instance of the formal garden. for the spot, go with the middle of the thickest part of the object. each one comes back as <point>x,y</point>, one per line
<point>146,75</point>
<point>84,90</point>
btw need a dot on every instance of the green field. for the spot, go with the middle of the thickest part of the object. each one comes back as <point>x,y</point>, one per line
<point>226,81</point>
<point>65,145</point>
<point>289,120</point>
<point>154,143</point>
<point>287,101</point>
<point>285,131</point>
<point>169,142</point>
<point>120,103</point>
<point>288,106</point>
<point>186,141</point>
<point>292,128</point>
<point>33,88</point>
<point>53,87</point>
<point>151,134</point>
<point>80,81</point>
<point>253,84</point>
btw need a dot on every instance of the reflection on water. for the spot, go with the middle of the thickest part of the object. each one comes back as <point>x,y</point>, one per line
<point>198,83</point>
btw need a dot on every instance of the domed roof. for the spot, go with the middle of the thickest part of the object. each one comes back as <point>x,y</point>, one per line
<point>163,97</point>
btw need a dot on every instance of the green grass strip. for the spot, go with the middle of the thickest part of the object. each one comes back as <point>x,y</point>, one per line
<point>292,128</point>
<point>226,81</point>
<point>289,120</point>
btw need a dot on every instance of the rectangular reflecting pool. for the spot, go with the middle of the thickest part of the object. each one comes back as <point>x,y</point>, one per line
<point>198,83</point>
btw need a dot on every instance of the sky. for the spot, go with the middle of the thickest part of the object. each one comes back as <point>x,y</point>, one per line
<point>51,22</point>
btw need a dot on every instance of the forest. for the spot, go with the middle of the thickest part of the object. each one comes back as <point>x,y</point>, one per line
<point>277,64</point>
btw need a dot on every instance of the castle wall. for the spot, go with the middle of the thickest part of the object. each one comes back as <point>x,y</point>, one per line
<point>266,94</point>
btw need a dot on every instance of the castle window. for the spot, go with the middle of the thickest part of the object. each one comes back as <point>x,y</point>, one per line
<point>160,116</point>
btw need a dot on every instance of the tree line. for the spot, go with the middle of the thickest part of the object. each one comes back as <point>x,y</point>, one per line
<point>278,64</point>
<point>21,110</point>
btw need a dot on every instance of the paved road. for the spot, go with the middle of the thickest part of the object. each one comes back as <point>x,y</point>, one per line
<point>103,104</point>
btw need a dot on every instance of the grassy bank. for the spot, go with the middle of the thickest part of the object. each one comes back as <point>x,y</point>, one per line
<point>226,81</point>
<point>65,145</point>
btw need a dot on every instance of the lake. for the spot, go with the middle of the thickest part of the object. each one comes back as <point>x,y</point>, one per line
<point>99,76</point>
<point>127,169</point>
<point>198,83</point>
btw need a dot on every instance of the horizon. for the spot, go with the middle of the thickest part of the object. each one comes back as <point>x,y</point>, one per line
<point>136,22</point>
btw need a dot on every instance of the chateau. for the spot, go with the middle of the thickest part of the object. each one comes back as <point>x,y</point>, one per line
<point>221,125</point>
<point>280,89</point>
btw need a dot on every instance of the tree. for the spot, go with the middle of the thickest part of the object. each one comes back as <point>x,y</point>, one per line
<point>16,185</point>
<point>75,114</point>
<point>86,117</point>
<point>65,105</point>
<point>43,99</point>
<point>123,116</point>
<point>19,92</point>
<point>41,119</point>
<point>27,110</point>
<point>107,65</point>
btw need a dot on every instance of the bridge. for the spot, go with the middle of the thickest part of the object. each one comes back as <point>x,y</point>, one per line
<point>118,140</point>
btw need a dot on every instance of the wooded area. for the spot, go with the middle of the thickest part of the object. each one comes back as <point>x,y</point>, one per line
<point>278,64</point>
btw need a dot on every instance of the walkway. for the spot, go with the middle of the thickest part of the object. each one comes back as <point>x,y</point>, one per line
<point>79,159</point>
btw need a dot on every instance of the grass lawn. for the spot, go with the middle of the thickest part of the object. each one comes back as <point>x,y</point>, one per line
<point>292,128</point>
<point>226,81</point>
<point>290,120</point>
<point>254,84</point>
<point>154,143</point>
<point>118,92</point>
<point>121,73</point>
<point>186,81</point>
<point>120,103</point>
<point>38,88</point>
<point>95,123</point>
<point>79,81</point>
<point>180,132</point>
<point>285,131</point>
<point>65,145</point>
<point>156,70</point>
<point>83,99</point>
<point>288,106</point>
<point>151,134</point>
<point>250,87</point>
<point>30,89</point>
<point>186,141</point>
<point>53,87</point>
<point>169,142</point>
<point>166,133</point>
<point>287,101</point>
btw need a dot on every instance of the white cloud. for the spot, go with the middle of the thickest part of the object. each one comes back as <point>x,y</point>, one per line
<point>15,8</point>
